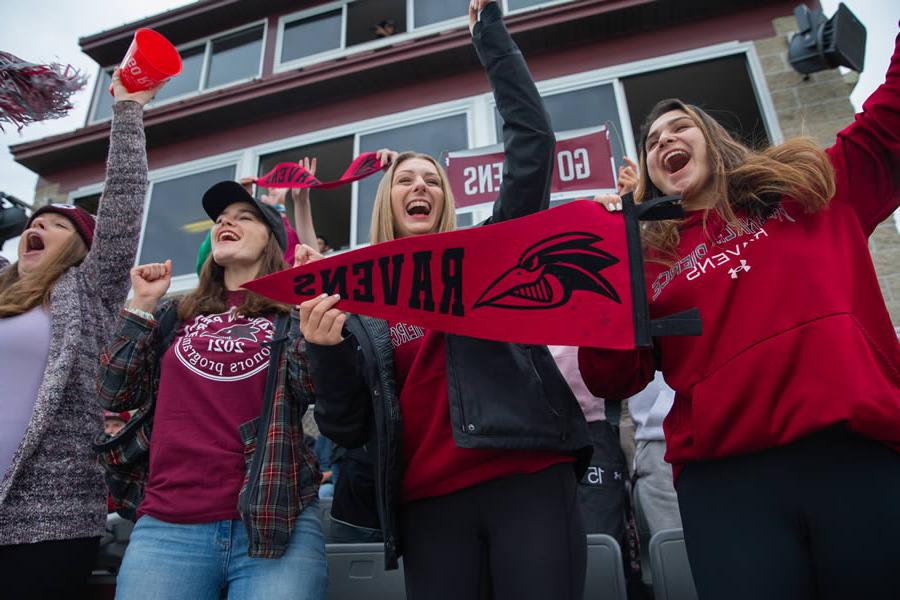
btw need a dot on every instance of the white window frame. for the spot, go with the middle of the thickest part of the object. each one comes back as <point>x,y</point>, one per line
<point>206,43</point>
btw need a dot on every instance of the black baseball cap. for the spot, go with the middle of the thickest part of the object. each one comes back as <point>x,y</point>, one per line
<point>225,193</point>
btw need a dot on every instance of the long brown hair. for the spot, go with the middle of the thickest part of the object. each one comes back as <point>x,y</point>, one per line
<point>749,181</point>
<point>19,294</point>
<point>211,295</point>
<point>382,228</point>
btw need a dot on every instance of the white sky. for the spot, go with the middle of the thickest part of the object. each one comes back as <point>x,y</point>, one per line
<point>49,31</point>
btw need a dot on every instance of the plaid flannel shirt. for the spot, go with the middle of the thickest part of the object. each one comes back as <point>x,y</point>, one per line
<point>288,478</point>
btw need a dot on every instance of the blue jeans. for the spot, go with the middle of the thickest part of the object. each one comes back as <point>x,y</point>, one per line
<point>196,562</point>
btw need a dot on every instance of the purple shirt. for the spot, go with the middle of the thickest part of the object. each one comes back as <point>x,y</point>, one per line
<point>24,344</point>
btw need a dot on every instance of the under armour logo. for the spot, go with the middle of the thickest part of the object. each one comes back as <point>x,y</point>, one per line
<point>734,272</point>
<point>617,475</point>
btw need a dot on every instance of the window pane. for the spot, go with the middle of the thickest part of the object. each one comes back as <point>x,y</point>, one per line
<point>311,36</point>
<point>88,203</point>
<point>590,107</point>
<point>466,219</point>
<point>176,222</point>
<point>517,4</point>
<point>330,208</point>
<point>722,86</point>
<point>235,57</point>
<point>189,79</point>
<point>103,109</point>
<point>435,11</point>
<point>431,137</point>
<point>369,20</point>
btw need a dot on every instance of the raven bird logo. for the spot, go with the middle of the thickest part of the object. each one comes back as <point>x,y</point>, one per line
<point>240,331</point>
<point>549,271</point>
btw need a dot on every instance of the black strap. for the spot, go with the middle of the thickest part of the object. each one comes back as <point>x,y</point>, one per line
<point>659,209</point>
<point>166,326</point>
<point>686,322</point>
<point>277,345</point>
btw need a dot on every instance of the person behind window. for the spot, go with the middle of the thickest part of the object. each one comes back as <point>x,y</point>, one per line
<point>114,422</point>
<point>231,480</point>
<point>785,426</point>
<point>58,303</point>
<point>482,506</point>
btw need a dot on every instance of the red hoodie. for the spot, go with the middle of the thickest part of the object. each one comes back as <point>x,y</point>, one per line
<point>796,335</point>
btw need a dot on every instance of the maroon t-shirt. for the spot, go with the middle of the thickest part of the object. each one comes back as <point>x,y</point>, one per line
<point>435,466</point>
<point>212,380</point>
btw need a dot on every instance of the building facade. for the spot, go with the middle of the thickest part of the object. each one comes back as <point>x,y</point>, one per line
<point>270,81</point>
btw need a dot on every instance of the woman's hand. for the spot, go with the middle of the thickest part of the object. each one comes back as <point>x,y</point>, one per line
<point>386,157</point>
<point>320,322</point>
<point>302,194</point>
<point>304,254</point>
<point>275,198</point>
<point>628,179</point>
<point>612,202</point>
<point>150,283</point>
<point>121,94</point>
<point>475,7</point>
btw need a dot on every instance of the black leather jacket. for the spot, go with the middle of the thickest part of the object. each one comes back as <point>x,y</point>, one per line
<point>501,395</point>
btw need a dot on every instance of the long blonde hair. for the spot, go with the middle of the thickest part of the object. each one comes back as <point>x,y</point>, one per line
<point>382,228</point>
<point>19,294</point>
<point>211,295</point>
<point>748,181</point>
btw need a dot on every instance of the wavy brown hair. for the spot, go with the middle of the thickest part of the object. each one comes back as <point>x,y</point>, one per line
<point>744,180</point>
<point>19,294</point>
<point>382,228</point>
<point>211,295</point>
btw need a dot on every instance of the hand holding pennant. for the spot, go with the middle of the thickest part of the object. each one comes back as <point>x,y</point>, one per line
<point>567,276</point>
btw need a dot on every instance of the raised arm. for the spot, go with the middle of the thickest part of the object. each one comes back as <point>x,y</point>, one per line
<point>118,227</point>
<point>866,155</point>
<point>128,363</point>
<point>527,133</point>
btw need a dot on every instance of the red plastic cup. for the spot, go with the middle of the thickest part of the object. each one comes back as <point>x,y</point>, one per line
<point>151,60</point>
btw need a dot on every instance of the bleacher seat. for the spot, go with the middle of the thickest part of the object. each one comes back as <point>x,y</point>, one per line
<point>672,579</point>
<point>357,571</point>
<point>605,579</point>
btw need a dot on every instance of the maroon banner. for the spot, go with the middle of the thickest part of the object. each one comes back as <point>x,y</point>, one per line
<point>583,163</point>
<point>292,175</point>
<point>561,276</point>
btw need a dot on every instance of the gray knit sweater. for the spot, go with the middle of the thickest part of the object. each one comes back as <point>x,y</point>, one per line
<point>54,489</point>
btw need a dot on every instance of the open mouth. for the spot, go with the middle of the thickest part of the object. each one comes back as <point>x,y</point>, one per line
<point>228,236</point>
<point>418,208</point>
<point>675,161</point>
<point>34,243</point>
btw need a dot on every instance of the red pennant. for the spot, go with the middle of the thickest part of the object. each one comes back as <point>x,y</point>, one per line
<point>561,276</point>
<point>583,163</point>
<point>292,175</point>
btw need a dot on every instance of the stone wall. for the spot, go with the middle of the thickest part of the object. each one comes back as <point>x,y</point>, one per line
<point>819,106</point>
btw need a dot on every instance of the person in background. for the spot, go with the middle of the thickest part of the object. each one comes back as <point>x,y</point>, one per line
<point>57,308</point>
<point>114,422</point>
<point>655,500</point>
<point>785,429</point>
<point>323,245</point>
